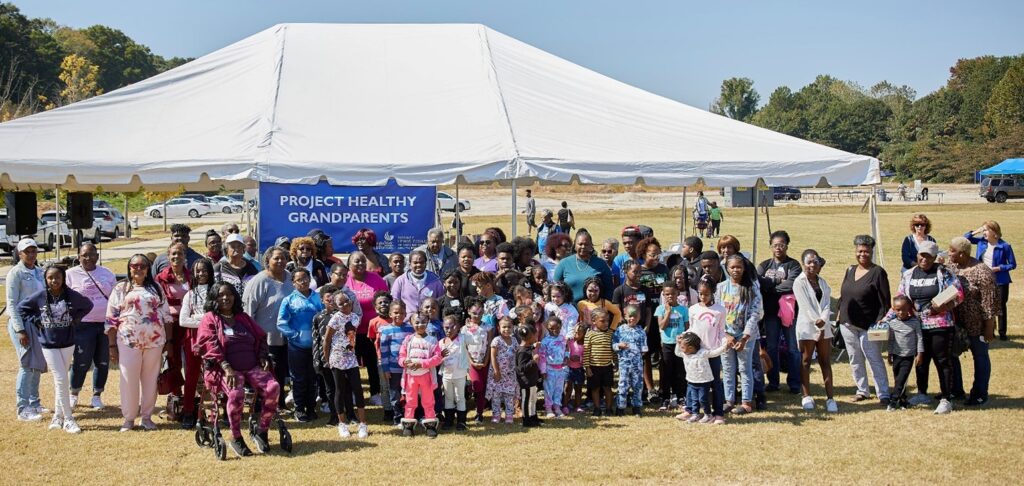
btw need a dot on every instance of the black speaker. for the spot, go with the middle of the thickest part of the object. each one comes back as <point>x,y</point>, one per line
<point>80,210</point>
<point>21,213</point>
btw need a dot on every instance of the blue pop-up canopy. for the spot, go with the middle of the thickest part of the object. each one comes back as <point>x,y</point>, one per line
<point>1006,167</point>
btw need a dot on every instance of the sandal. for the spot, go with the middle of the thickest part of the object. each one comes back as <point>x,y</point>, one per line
<point>728,407</point>
<point>742,410</point>
<point>859,398</point>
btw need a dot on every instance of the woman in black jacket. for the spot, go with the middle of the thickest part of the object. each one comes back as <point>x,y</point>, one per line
<point>53,314</point>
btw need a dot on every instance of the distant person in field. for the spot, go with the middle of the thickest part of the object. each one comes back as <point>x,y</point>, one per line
<point>566,220</point>
<point>716,220</point>
<point>531,212</point>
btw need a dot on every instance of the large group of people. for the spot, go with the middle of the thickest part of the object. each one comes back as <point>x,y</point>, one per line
<point>530,327</point>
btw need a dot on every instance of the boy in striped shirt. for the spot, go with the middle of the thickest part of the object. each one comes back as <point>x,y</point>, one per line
<point>391,338</point>
<point>599,360</point>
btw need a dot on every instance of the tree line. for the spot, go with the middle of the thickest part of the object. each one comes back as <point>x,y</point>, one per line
<point>44,65</point>
<point>976,120</point>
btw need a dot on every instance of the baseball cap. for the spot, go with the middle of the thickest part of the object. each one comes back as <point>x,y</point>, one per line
<point>25,243</point>
<point>234,238</point>
<point>631,230</point>
<point>547,212</point>
<point>928,247</point>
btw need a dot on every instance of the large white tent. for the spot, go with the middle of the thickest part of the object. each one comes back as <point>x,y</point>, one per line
<point>424,104</point>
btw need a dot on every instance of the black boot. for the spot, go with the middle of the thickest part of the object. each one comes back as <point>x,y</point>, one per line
<point>460,423</point>
<point>449,418</point>
<point>620,412</point>
<point>431,426</point>
<point>636,411</point>
<point>408,427</point>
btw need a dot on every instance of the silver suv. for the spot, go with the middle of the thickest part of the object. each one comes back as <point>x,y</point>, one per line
<point>999,189</point>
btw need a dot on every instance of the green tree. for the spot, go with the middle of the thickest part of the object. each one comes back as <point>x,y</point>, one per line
<point>738,100</point>
<point>29,58</point>
<point>120,59</point>
<point>1006,105</point>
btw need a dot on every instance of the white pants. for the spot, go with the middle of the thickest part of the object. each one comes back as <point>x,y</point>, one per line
<point>860,349</point>
<point>454,393</point>
<point>58,360</point>
<point>139,370</point>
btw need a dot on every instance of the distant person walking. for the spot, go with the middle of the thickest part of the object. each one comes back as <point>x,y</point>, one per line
<point>716,220</point>
<point>566,220</point>
<point>531,212</point>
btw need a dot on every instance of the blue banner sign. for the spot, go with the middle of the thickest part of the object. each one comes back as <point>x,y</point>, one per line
<point>400,216</point>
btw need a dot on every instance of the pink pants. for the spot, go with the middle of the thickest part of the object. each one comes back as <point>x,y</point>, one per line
<point>421,386</point>
<point>139,370</point>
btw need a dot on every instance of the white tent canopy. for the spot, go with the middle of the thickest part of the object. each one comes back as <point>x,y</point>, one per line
<point>424,104</point>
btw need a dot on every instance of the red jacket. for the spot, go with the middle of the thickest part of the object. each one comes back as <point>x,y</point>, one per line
<point>211,341</point>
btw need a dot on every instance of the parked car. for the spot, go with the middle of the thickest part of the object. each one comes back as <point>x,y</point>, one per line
<point>196,197</point>
<point>100,204</point>
<point>1000,188</point>
<point>107,222</point>
<point>179,207</point>
<point>786,193</point>
<point>225,204</point>
<point>5,245</point>
<point>446,202</point>
<point>46,235</point>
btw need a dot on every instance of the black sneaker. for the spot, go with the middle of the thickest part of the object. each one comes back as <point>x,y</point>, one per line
<point>636,412</point>
<point>760,401</point>
<point>188,421</point>
<point>238,445</point>
<point>597,411</point>
<point>975,401</point>
<point>620,412</point>
<point>302,418</point>
<point>261,442</point>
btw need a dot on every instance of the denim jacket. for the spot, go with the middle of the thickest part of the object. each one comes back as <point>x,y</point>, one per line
<point>21,283</point>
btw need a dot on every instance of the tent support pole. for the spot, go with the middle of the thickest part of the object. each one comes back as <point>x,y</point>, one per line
<point>127,225</point>
<point>876,230</point>
<point>753,251</point>
<point>165,215</point>
<point>514,189</point>
<point>57,220</point>
<point>458,217</point>
<point>682,219</point>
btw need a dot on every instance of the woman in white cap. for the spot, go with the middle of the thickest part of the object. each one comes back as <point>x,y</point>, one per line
<point>234,268</point>
<point>25,279</point>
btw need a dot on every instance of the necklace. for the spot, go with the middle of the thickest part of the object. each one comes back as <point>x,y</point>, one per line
<point>580,268</point>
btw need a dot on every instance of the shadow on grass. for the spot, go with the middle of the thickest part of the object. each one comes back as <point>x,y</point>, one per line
<point>307,447</point>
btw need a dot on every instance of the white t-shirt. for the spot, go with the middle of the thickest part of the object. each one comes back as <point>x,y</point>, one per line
<point>986,257</point>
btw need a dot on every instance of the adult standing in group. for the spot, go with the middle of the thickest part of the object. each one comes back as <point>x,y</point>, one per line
<point>609,252</point>
<point>252,252</point>
<point>23,280</point>
<point>417,284</point>
<point>324,247</point>
<point>630,236</point>
<point>366,242</point>
<point>466,254</point>
<point>574,270</point>
<point>976,314</point>
<point>813,329</point>
<point>547,228</point>
<point>192,310</point>
<point>140,323</point>
<point>531,212</point>
<point>488,244</point>
<point>440,258</point>
<point>920,229</point>
<point>303,255</point>
<point>922,284</point>
<point>180,233</point>
<point>653,275</point>
<point>523,252</point>
<point>864,299</point>
<point>175,281</point>
<point>566,220</point>
<point>214,246</point>
<point>693,246</point>
<point>777,276</point>
<point>91,343</point>
<point>262,301</point>
<point>997,255</point>
<point>558,246</point>
<point>234,268</point>
<point>365,284</point>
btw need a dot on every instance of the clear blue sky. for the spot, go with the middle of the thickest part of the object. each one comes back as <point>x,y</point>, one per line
<point>682,50</point>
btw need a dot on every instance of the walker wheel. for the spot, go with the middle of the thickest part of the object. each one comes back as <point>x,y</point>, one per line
<point>200,440</point>
<point>220,449</point>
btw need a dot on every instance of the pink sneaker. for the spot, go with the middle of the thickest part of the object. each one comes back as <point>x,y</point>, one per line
<point>566,411</point>
<point>580,410</point>
<point>496,419</point>
<point>509,420</point>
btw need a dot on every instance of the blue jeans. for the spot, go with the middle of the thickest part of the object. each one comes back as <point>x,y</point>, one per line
<point>739,361</point>
<point>982,368</point>
<point>791,361</point>
<point>394,385</point>
<point>697,397</point>
<point>300,368</point>
<point>26,384</point>
<point>91,349</point>
<point>717,387</point>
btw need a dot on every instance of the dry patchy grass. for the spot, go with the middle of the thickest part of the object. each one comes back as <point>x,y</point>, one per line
<point>862,444</point>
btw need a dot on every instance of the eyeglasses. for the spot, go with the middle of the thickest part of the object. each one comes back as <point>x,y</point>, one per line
<point>137,266</point>
<point>484,242</point>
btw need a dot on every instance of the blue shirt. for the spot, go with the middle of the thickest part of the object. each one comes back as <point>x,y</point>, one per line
<point>619,265</point>
<point>295,318</point>
<point>636,338</point>
<point>575,273</point>
<point>391,339</point>
<point>676,323</point>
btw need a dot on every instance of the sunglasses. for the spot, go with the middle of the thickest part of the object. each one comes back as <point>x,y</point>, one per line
<point>137,266</point>
<point>485,242</point>
<point>919,225</point>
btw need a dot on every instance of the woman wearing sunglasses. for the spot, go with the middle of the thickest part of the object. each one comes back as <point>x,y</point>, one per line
<point>920,229</point>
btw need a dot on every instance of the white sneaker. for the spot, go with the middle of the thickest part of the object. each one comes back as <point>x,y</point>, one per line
<point>127,426</point>
<point>29,414</point>
<point>41,410</point>
<point>74,400</point>
<point>375,400</point>
<point>831,406</point>
<point>920,399</point>
<point>325,408</point>
<point>343,431</point>
<point>289,401</point>
<point>71,427</point>
<point>807,403</point>
<point>945,406</point>
<point>97,403</point>
<point>549,415</point>
<point>363,431</point>
<point>56,423</point>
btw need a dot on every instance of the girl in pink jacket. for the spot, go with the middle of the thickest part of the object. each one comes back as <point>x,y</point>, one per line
<point>420,355</point>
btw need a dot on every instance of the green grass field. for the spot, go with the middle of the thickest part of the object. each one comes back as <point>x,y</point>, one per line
<point>861,444</point>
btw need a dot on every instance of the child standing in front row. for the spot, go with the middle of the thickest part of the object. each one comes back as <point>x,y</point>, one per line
<point>501,383</point>
<point>707,321</point>
<point>553,359</point>
<point>672,320</point>
<point>477,339</point>
<point>454,370</point>
<point>599,361</point>
<point>630,344</point>
<point>382,306</point>
<point>906,348</point>
<point>699,377</point>
<point>576,378</point>
<point>391,336</point>
<point>339,349</point>
<point>419,356</point>
<point>528,372</point>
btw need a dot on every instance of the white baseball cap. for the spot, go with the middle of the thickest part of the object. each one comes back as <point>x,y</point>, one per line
<point>234,238</point>
<point>25,243</point>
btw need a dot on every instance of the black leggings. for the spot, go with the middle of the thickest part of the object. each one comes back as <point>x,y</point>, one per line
<point>367,355</point>
<point>673,373</point>
<point>346,384</point>
<point>280,354</point>
<point>1004,295</point>
<point>938,346</point>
